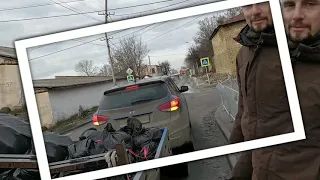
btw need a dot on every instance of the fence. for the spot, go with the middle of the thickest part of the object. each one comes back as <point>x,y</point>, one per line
<point>229,96</point>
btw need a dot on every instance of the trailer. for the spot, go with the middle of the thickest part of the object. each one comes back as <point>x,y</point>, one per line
<point>117,157</point>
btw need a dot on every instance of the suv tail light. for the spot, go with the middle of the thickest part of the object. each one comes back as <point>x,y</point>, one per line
<point>172,105</point>
<point>97,120</point>
<point>132,87</point>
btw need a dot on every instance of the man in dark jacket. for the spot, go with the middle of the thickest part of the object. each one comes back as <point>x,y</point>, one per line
<point>263,108</point>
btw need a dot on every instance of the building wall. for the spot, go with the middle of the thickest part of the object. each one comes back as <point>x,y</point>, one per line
<point>226,49</point>
<point>148,70</point>
<point>44,108</point>
<point>65,102</point>
<point>11,92</point>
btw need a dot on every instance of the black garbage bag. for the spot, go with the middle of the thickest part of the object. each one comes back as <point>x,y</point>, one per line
<point>55,152</point>
<point>110,139</point>
<point>20,174</point>
<point>149,135</point>
<point>12,142</point>
<point>87,133</point>
<point>148,152</point>
<point>86,147</point>
<point>56,146</point>
<point>133,127</point>
<point>60,140</point>
<point>109,128</point>
<point>15,135</point>
<point>16,123</point>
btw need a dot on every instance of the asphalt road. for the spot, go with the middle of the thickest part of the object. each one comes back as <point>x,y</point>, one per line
<point>202,105</point>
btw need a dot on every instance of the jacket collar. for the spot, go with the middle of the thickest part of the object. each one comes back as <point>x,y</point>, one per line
<point>247,37</point>
<point>307,50</point>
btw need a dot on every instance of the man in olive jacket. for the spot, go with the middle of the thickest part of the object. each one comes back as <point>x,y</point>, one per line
<point>263,109</point>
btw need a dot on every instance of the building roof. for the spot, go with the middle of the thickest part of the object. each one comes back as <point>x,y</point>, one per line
<point>71,81</point>
<point>8,55</point>
<point>234,19</point>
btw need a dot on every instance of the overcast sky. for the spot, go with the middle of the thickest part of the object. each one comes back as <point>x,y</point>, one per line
<point>171,46</point>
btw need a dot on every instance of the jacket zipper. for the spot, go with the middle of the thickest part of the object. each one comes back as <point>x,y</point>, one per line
<point>249,67</point>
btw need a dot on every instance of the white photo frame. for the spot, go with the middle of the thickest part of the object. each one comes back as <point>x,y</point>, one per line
<point>21,50</point>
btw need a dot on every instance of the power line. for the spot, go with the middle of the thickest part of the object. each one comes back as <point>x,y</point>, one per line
<point>38,5</point>
<point>157,2</point>
<point>97,4</point>
<point>87,42</point>
<point>119,37</point>
<point>152,9</point>
<point>112,43</point>
<point>144,31</point>
<point>50,4</point>
<point>73,9</point>
<point>77,13</point>
<point>174,29</point>
<point>89,6</point>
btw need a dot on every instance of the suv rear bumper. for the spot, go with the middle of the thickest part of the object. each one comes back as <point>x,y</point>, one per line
<point>180,138</point>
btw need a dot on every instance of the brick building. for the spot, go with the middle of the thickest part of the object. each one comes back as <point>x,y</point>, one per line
<point>224,46</point>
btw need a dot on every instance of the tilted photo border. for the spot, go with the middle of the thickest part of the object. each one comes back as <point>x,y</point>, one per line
<point>21,50</point>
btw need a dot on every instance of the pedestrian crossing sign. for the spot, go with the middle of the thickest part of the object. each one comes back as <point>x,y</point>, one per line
<point>205,62</point>
<point>130,78</point>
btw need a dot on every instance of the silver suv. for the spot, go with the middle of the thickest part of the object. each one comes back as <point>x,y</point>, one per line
<point>156,102</point>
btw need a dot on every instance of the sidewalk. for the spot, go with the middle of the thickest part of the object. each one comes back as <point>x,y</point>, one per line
<point>68,126</point>
<point>226,123</point>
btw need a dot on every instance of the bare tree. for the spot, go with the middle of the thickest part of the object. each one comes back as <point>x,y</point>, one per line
<point>202,39</point>
<point>193,58</point>
<point>86,67</point>
<point>165,67</point>
<point>203,45</point>
<point>130,54</point>
<point>104,70</point>
<point>233,12</point>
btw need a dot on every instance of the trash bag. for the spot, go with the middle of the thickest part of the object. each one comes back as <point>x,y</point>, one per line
<point>110,139</point>
<point>13,142</point>
<point>15,135</point>
<point>55,152</point>
<point>86,147</point>
<point>150,135</point>
<point>16,123</point>
<point>87,133</point>
<point>20,174</point>
<point>133,127</point>
<point>109,128</point>
<point>147,152</point>
<point>56,146</point>
<point>60,140</point>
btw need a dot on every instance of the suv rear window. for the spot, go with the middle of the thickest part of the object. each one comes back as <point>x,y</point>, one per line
<point>124,98</point>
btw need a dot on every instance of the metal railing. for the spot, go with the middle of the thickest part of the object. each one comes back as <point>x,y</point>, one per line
<point>229,93</point>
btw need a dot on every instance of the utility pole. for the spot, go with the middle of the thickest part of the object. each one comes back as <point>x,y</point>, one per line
<point>108,45</point>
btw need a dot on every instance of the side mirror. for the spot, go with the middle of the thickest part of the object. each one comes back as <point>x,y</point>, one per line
<point>184,88</point>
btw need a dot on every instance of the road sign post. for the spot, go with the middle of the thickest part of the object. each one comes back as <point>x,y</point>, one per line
<point>130,78</point>
<point>205,62</point>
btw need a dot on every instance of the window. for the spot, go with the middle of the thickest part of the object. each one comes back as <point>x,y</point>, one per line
<point>143,94</point>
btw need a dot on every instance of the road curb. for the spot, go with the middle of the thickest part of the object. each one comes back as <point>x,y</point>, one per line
<point>232,159</point>
<point>75,127</point>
